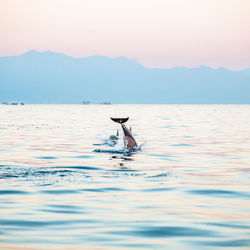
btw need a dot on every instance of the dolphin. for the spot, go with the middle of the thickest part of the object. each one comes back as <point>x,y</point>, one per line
<point>130,142</point>
<point>114,138</point>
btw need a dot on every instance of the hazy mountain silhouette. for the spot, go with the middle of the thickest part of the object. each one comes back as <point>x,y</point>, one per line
<point>48,77</point>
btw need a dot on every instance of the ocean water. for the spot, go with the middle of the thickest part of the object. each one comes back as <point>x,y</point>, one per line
<point>188,188</point>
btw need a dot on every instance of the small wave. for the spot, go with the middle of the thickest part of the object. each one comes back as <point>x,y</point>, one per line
<point>165,231</point>
<point>58,191</point>
<point>7,176</point>
<point>34,223</point>
<point>46,157</point>
<point>229,225</point>
<point>8,192</point>
<point>50,172</point>
<point>163,175</point>
<point>60,211</point>
<point>100,190</point>
<point>226,243</point>
<point>82,156</point>
<point>63,206</point>
<point>158,189</point>
<point>80,167</point>
<point>32,172</point>
<point>220,193</point>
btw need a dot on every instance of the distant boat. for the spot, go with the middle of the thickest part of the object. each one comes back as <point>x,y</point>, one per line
<point>12,103</point>
<point>85,102</point>
<point>105,103</point>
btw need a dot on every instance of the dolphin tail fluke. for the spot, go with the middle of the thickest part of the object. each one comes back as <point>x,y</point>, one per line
<point>119,120</point>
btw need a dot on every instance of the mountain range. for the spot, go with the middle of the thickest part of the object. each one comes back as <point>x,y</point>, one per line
<point>49,77</point>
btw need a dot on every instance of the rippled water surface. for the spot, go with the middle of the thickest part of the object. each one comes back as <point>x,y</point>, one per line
<point>189,187</point>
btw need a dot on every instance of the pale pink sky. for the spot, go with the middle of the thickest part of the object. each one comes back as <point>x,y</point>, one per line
<point>158,33</point>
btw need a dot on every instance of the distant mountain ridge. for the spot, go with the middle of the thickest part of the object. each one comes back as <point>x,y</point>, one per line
<point>49,77</point>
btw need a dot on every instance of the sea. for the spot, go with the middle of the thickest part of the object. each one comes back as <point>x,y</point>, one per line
<point>63,186</point>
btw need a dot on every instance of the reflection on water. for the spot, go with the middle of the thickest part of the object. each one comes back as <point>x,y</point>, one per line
<point>188,188</point>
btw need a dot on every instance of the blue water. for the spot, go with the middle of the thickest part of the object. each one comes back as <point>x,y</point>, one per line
<point>188,188</point>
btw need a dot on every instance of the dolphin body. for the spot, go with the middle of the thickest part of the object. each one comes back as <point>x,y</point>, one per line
<point>130,142</point>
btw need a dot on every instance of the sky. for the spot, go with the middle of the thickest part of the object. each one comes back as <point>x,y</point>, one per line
<point>158,33</point>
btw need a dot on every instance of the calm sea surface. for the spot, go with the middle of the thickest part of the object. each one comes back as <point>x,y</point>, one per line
<point>189,187</point>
